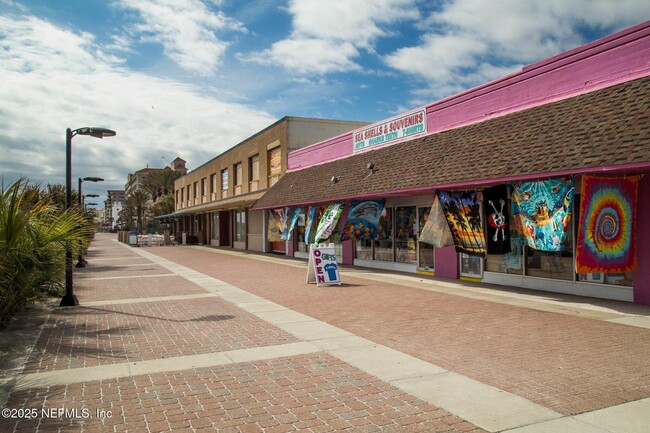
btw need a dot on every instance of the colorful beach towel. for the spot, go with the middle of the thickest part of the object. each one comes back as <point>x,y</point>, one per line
<point>463,214</point>
<point>363,218</point>
<point>542,212</point>
<point>277,223</point>
<point>606,234</point>
<point>328,221</point>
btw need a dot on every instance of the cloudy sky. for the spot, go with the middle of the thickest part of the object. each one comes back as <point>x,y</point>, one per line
<point>192,78</point>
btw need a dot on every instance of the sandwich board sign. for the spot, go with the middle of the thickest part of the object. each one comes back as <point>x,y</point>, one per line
<point>322,268</point>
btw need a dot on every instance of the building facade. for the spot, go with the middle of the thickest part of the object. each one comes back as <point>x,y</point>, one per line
<point>563,121</point>
<point>113,205</point>
<point>212,203</point>
<point>135,181</point>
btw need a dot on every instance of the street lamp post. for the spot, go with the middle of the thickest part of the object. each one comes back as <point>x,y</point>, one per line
<point>81,262</point>
<point>69,299</point>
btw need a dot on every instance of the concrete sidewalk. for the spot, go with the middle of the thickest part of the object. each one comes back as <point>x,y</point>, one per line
<point>198,339</point>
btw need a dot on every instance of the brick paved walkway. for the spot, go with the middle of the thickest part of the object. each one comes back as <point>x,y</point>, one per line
<point>569,364</point>
<point>233,342</point>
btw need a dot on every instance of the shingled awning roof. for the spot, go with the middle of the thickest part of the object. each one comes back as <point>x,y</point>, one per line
<point>601,129</point>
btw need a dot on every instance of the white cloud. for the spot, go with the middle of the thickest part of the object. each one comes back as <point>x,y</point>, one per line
<point>185,28</point>
<point>59,82</point>
<point>327,35</point>
<point>469,42</point>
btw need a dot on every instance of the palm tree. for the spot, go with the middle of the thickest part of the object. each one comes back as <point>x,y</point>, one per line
<point>160,183</point>
<point>138,200</point>
<point>34,236</point>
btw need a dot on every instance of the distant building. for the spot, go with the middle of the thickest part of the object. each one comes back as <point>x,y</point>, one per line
<point>135,181</point>
<point>112,207</point>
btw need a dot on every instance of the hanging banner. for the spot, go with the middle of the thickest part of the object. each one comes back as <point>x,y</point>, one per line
<point>322,268</point>
<point>277,222</point>
<point>495,202</point>
<point>311,216</point>
<point>542,212</point>
<point>363,218</point>
<point>292,220</point>
<point>463,214</point>
<point>606,234</point>
<point>327,223</point>
<point>436,230</point>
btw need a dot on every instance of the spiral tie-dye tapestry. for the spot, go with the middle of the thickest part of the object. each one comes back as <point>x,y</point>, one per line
<point>606,234</point>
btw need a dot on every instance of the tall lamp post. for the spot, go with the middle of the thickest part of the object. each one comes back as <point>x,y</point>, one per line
<point>81,262</point>
<point>69,299</point>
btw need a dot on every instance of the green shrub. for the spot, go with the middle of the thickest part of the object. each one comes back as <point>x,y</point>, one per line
<point>34,235</point>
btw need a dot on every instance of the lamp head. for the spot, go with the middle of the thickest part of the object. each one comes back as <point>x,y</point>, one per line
<point>95,132</point>
<point>92,179</point>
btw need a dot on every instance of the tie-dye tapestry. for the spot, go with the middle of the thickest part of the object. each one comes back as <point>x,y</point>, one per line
<point>277,222</point>
<point>328,221</point>
<point>495,201</point>
<point>606,234</point>
<point>436,230</point>
<point>292,220</point>
<point>542,212</point>
<point>363,218</point>
<point>309,224</point>
<point>463,214</point>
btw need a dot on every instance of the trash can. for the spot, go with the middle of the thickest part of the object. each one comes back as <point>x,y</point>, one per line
<point>133,239</point>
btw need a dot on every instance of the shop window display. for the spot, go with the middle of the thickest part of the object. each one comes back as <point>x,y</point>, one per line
<point>384,240</point>
<point>425,251</point>
<point>405,234</point>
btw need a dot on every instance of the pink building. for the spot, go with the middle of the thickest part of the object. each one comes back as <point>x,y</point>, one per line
<point>580,113</point>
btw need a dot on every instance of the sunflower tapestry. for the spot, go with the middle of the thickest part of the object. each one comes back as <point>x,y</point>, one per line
<point>363,218</point>
<point>542,212</point>
<point>463,214</point>
<point>606,235</point>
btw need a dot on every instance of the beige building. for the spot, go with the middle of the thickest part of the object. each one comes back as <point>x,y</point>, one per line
<point>212,202</point>
<point>135,181</point>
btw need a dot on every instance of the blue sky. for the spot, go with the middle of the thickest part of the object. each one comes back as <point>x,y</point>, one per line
<point>192,78</point>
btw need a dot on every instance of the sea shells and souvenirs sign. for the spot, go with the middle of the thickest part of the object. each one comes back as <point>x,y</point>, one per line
<point>411,124</point>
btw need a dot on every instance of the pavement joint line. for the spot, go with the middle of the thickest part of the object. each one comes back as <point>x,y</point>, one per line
<point>630,417</point>
<point>151,299</point>
<point>108,259</point>
<point>136,368</point>
<point>125,277</point>
<point>90,269</point>
<point>477,407</point>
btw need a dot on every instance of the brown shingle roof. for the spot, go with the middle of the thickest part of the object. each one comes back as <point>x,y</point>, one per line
<point>605,128</point>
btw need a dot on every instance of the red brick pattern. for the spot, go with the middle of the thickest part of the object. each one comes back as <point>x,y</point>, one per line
<point>566,363</point>
<point>314,393</point>
<point>133,288</point>
<point>86,336</point>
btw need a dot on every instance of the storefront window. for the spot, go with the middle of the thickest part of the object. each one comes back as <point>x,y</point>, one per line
<point>425,251</point>
<point>240,226</point>
<point>215,226</point>
<point>405,234</point>
<point>363,249</point>
<point>384,238</point>
<point>471,266</point>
